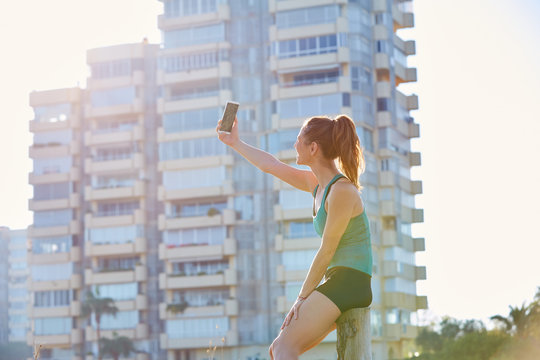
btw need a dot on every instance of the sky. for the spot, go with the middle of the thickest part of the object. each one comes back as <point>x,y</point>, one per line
<point>478,87</point>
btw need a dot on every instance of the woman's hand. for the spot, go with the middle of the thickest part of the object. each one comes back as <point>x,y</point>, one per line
<point>229,139</point>
<point>295,310</point>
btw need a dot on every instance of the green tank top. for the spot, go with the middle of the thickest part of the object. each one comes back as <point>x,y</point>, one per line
<point>354,249</point>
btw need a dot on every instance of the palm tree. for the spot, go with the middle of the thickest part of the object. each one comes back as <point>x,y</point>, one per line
<point>177,308</point>
<point>98,306</point>
<point>118,345</point>
<point>517,319</point>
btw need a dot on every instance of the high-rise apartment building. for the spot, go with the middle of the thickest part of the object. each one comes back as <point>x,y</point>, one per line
<point>137,199</point>
<point>4,266</point>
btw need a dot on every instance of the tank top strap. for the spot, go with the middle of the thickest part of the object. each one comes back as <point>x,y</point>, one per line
<point>336,178</point>
<point>315,191</point>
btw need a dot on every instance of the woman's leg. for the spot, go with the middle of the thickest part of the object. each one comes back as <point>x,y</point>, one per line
<point>316,316</point>
<point>316,342</point>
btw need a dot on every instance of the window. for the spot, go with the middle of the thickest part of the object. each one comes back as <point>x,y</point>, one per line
<point>196,236</point>
<point>52,272</point>
<point>313,78</point>
<point>19,265</point>
<point>293,199</point>
<point>366,138</point>
<point>383,104</point>
<point>174,8</point>
<point>52,113</point>
<point>297,230</point>
<point>360,78</point>
<point>52,191</point>
<point>298,260</point>
<point>113,181</point>
<point>196,328</point>
<point>52,165</point>
<point>202,91</point>
<point>202,297</point>
<point>310,106</point>
<point>117,264</point>
<point>188,62</point>
<point>380,46</point>
<point>112,97</point>
<point>114,235</point>
<point>194,36</point>
<point>116,153</point>
<point>191,120</point>
<point>197,209</point>
<point>117,208</point>
<point>197,178</point>
<point>376,323</point>
<point>195,268</point>
<point>308,16</point>
<point>122,320</point>
<point>17,254</point>
<point>52,138</point>
<point>308,46</point>
<point>116,68</point>
<point>52,298</point>
<point>292,290</point>
<point>52,218</point>
<point>200,147</point>
<point>118,292</point>
<point>51,245</point>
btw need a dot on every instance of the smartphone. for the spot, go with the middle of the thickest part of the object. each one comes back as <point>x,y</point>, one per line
<point>229,114</point>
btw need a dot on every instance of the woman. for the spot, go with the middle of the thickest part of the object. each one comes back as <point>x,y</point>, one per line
<point>344,257</point>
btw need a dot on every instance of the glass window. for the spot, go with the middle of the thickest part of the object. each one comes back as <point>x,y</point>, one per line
<point>197,236</point>
<point>202,297</point>
<point>299,259</point>
<point>196,328</point>
<point>117,264</point>
<point>292,290</point>
<point>112,97</point>
<point>52,165</point>
<point>19,265</point>
<point>308,16</point>
<point>199,147</point>
<point>118,292</point>
<point>52,113</point>
<point>51,245</point>
<point>17,254</point>
<point>114,235</point>
<point>400,285</point>
<point>195,268</point>
<point>294,199</point>
<point>52,298</point>
<point>53,218</point>
<point>52,272</point>
<point>52,191</point>
<point>298,230</point>
<point>191,120</point>
<point>117,208</point>
<point>376,323</point>
<point>113,181</point>
<point>307,46</point>
<point>115,153</point>
<point>111,69</point>
<point>194,36</point>
<point>194,178</point>
<point>310,106</point>
<point>53,138</point>
<point>174,8</point>
<point>122,320</point>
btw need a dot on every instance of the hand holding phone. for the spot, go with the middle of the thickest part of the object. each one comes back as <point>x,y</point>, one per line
<point>229,114</point>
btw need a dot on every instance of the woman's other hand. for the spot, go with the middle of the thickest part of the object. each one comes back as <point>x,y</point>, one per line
<point>229,139</point>
<point>295,310</point>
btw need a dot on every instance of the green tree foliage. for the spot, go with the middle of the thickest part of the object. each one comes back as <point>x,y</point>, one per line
<point>517,337</point>
<point>118,345</point>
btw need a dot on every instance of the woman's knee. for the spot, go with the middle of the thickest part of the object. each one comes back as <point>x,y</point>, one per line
<point>283,349</point>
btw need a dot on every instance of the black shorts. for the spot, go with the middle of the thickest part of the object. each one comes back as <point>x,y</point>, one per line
<point>348,288</point>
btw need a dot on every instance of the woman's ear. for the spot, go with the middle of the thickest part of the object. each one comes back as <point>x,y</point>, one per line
<point>313,147</point>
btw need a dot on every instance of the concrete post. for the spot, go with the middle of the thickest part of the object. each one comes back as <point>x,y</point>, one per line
<point>354,335</point>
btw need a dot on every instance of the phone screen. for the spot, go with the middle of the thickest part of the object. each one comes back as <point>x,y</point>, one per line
<point>228,116</point>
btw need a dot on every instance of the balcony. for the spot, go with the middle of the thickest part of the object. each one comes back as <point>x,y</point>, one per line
<point>283,275</point>
<point>340,26</point>
<point>404,301</point>
<point>282,244</point>
<point>406,47</point>
<point>279,5</point>
<point>341,56</point>
<point>70,202</point>
<point>222,70</point>
<point>74,310</point>
<point>391,268</point>
<point>402,19</point>
<point>74,282</point>
<point>400,331</point>
<point>74,255</point>
<point>135,191</point>
<point>231,339</point>
<point>140,332</point>
<point>135,162</point>
<point>408,102</point>
<point>50,231</point>
<point>65,340</point>
<point>72,175</point>
<point>196,162</point>
<point>166,106</point>
<point>112,277</point>
<point>228,308</point>
<point>199,192</point>
<point>228,217</point>
<point>184,135</point>
<point>410,215</point>
<point>184,252</point>
<point>415,159</point>
<point>170,282</point>
<point>404,74</point>
<point>136,78</point>
<point>223,13</point>
<point>136,107</point>
<point>341,84</point>
<point>53,150</point>
<point>93,221</point>
<point>281,214</point>
<point>73,121</point>
<point>139,246</point>
<point>114,136</point>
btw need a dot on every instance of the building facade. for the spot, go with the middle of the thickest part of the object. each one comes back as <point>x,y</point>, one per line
<point>136,199</point>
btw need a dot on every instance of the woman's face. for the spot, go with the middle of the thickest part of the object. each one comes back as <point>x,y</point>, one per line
<point>301,149</point>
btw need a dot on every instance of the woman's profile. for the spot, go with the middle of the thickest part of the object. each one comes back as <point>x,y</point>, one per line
<point>344,258</point>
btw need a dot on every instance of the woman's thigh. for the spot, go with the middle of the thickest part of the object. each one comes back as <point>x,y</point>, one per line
<point>317,314</point>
